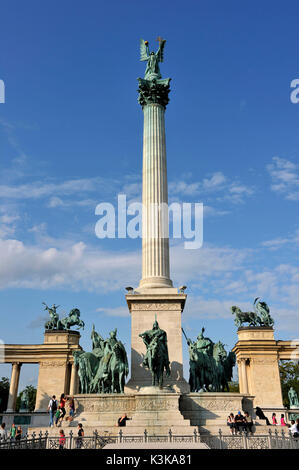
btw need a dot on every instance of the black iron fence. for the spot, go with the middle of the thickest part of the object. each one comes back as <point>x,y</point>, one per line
<point>271,440</point>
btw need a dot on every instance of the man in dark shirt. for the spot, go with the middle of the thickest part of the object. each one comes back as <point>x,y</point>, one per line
<point>240,422</point>
<point>122,420</point>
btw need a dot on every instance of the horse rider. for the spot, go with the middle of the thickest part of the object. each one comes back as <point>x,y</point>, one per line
<point>150,337</point>
<point>204,345</point>
<point>108,350</point>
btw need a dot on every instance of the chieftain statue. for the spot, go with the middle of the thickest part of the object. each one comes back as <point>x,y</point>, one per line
<point>260,317</point>
<point>56,323</point>
<point>156,357</point>
<point>105,369</point>
<point>211,368</point>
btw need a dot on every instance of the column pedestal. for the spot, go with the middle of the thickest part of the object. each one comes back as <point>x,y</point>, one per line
<point>56,374</point>
<point>168,308</point>
<point>257,357</point>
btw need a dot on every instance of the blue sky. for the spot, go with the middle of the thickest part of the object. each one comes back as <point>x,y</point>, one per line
<point>71,137</point>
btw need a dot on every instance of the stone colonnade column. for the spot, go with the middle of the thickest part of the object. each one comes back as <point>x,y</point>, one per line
<point>13,388</point>
<point>74,380</point>
<point>244,379</point>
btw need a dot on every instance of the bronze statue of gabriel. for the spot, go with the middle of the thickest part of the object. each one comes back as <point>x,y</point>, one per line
<point>153,88</point>
<point>152,71</point>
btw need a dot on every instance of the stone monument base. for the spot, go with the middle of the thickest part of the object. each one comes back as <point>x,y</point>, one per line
<point>156,412</point>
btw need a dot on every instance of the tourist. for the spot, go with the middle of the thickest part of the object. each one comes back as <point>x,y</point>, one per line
<point>52,408</point>
<point>240,422</point>
<point>282,421</point>
<point>3,433</point>
<point>122,420</point>
<point>274,420</point>
<point>13,431</point>
<point>248,422</point>
<point>72,408</point>
<point>58,415</point>
<point>260,414</point>
<point>80,435</point>
<point>62,406</point>
<point>231,423</point>
<point>294,429</point>
<point>61,439</point>
<point>19,433</point>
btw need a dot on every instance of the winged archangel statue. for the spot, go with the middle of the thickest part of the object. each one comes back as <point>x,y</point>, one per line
<point>152,71</point>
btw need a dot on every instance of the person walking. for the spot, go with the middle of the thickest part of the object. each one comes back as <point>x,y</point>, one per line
<point>80,436</point>
<point>62,406</point>
<point>52,407</point>
<point>72,408</point>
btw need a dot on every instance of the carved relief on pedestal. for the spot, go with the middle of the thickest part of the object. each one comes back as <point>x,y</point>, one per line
<point>154,404</point>
<point>106,405</point>
<point>52,364</point>
<point>156,306</point>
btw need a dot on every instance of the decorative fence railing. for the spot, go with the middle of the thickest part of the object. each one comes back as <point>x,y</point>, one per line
<point>272,440</point>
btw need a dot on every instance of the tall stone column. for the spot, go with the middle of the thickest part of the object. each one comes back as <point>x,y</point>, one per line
<point>13,388</point>
<point>155,241</point>
<point>155,298</point>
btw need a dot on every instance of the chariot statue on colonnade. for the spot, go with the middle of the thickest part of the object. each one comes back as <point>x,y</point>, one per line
<point>56,323</point>
<point>260,317</point>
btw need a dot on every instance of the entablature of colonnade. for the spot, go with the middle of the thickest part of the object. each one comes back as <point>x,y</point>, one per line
<point>34,354</point>
<point>288,350</point>
<point>57,345</point>
<point>285,350</point>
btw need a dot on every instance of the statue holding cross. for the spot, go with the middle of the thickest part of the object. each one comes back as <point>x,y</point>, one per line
<point>152,71</point>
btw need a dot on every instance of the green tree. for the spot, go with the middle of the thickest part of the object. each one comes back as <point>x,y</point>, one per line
<point>4,392</point>
<point>32,398</point>
<point>289,376</point>
<point>233,387</point>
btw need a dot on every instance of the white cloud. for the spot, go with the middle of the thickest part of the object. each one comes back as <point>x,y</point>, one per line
<point>276,243</point>
<point>285,178</point>
<point>115,312</point>
<point>233,191</point>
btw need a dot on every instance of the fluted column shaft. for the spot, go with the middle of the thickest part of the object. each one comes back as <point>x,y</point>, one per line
<point>13,388</point>
<point>74,380</point>
<point>155,241</point>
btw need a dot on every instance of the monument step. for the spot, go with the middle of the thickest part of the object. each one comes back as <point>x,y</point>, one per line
<point>114,430</point>
<point>257,429</point>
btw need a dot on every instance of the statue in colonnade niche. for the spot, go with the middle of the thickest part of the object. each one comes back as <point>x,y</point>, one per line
<point>293,398</point>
